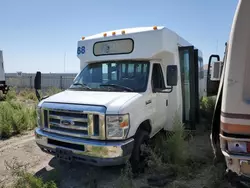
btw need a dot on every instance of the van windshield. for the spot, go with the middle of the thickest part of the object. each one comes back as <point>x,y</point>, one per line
<point>129,76</point>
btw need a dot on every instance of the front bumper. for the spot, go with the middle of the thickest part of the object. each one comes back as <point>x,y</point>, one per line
<point>237,180</point>
<point>95,152</point>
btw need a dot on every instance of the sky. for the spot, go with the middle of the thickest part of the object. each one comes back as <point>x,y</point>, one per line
<point>42,35</point>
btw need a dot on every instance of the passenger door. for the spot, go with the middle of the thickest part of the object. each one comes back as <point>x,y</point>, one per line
<point>190,85</point>
<point>160,99</point>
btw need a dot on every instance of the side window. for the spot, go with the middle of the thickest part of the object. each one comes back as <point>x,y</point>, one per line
<point>201,68</point>
<point>131,70</point>
<point>113,71</point>
<point>138,68</point>
<point>157,77</point>
<point>105,72</point>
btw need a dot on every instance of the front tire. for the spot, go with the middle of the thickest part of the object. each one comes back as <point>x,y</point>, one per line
<point>138,158</point>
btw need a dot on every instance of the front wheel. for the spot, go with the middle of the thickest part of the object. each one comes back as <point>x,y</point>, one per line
<point>138,158</point>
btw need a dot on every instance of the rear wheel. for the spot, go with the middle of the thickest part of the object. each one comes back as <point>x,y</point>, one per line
<point>138,159</point>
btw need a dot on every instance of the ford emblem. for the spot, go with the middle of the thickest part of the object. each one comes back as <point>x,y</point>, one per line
<point>67,122</point>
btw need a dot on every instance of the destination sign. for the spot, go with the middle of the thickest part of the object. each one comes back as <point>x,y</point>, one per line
<point>113,47</point>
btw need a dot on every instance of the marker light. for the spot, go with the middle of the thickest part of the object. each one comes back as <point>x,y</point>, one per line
<point>123,32</point>
<point>105,34</point>
<point>113,33</point>
<point>83,38</point>
<point>155,27</point>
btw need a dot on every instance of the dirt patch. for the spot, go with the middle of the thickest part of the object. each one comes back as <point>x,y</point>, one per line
<point>24,149</point>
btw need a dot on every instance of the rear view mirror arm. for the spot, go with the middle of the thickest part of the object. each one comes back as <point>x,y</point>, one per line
<point>38,95</point>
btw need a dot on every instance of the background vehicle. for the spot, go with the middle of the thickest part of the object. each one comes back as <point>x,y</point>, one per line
<point>131,84</point>
<point>3,87</point>
<point>231,121</point>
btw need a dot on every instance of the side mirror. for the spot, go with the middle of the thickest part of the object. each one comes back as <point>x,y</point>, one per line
<point>172,72</point>
<point>37,82</point>
<point>214,70</point>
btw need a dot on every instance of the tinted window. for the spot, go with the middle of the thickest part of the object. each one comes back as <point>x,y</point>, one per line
<point>157,77</point>
<point>131,74</point>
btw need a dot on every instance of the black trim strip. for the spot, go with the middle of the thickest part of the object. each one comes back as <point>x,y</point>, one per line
<point>235,135</point>
<point>235,116</point>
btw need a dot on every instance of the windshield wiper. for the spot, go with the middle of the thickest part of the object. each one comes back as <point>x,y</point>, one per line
<point>80,84</point>
<point>118,86</point>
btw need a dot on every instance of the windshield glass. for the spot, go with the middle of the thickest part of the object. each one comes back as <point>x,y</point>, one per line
<point>130,76</point>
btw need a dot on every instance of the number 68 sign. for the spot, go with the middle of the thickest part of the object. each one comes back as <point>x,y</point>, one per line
<point>81,50</point>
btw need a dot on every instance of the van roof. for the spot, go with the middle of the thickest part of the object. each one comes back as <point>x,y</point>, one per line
<point>127,31</point>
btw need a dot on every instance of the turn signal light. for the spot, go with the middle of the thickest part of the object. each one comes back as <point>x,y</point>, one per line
<point>155,27</point>
<point>113,33</point>
<point>105,34</point>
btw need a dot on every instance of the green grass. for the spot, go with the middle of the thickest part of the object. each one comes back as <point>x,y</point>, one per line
<point>27,94</point>
<point>52,91</point>
<point>11,95</point>
<point>207,104</point>
<point>24,179</point>
<point>126,177</point>
<point>17,111</point>
<point>15,118</point>
<point>172,154</point>
<point>27,180</point>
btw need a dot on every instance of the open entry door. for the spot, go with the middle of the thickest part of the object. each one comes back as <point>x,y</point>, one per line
<point>190,85</point>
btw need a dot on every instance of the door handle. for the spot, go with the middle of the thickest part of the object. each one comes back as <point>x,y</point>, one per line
<point>148,102</point>
<point>166,102</point>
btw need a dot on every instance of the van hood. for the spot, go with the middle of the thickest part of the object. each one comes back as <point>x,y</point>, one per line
<point>112,100</point>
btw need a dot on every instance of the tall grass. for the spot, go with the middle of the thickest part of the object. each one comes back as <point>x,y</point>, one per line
<point>172,155</point>
<point>15,118</point>
<point>24,179</point>
<point>16,113</point>
<point>171,147</point>
<point>126,177</point>
<point>207,105</point>
<point>29,94</point>
<point>52,91</point>
<point>11,95</point>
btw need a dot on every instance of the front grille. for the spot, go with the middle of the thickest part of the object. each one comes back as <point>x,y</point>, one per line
<point>75,123</point>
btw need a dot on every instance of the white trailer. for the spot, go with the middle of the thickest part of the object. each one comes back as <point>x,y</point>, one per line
<point>3,86</point>
<point>130,85</point>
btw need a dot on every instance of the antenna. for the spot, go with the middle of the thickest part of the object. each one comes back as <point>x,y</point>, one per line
<point>217,46</point>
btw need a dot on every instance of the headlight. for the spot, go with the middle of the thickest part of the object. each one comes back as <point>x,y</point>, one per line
<point>117,126</point>
<point>38,115</point>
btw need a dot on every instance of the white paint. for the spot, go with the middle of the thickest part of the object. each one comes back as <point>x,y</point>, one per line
<point>157,46</point>
<point>236,91</point>
<point>237,77</point>
<point>2,73</point>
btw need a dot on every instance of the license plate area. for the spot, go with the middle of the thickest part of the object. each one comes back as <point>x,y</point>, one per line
<point>245,167</point>
<point>64,154</point>
<point>66,145</point>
